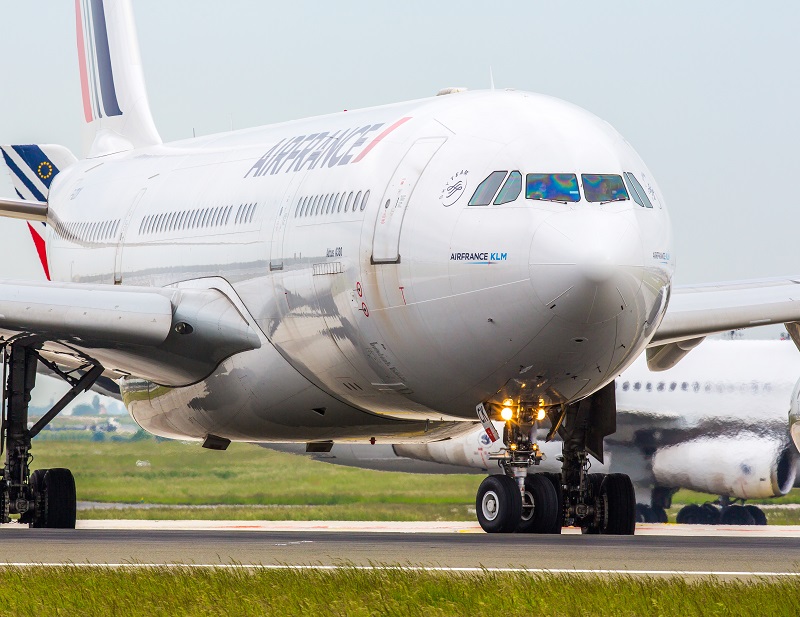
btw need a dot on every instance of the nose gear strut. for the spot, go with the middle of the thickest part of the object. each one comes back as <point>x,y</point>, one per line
<point>597,503</point>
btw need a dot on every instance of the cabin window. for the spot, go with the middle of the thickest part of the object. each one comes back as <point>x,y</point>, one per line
<point>637,191</point>
<point>364,201</point>
<point>349,200</point>
<point>603,188</point>
<point>485,192</point>
<point>511,189</point>
<point>552,187</point>
<point>357,202</point>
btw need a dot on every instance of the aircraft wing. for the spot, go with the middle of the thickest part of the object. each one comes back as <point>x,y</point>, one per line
<point>171,336</point>
<point>696,311</point>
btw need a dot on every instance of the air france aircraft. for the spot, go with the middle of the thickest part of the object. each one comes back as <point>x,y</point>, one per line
<point>391,274</point>
<point>716,423</point>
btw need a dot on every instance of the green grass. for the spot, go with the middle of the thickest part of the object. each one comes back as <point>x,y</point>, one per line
<point>351,592</point>
<point>181,474</point>
<point>185,473</point>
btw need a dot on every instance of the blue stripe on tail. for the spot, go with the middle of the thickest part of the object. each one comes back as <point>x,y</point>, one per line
<point>23,178</point>
<point>103,57</point>
<point>39,163</point>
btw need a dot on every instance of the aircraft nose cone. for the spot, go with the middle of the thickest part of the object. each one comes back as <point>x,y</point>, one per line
<point>586,266</point>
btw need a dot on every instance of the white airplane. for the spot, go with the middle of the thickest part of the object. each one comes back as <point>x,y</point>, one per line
<point>716,423</point>
<point>387,274</point>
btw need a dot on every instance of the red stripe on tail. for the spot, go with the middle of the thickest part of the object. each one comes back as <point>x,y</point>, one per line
<point>41,249</point>
<point>87,104</point>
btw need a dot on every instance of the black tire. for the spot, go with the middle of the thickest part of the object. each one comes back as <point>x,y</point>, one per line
<point>35,519</point>
<point>712,514</point>
<point>736,515</point>
<point>59,499</point>
<point>621,505</point>
<point>691,515</point>
<point>757,513</point>
<point>540,513</point>
<point>660,514</point>
<point>645,514</point>
<point>595,481</point>
<point>555,480</point>
<point>498,504</point>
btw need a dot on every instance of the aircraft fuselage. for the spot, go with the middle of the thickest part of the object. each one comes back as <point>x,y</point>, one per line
<point>389,307</point>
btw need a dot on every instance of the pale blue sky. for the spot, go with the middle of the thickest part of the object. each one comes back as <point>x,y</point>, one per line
<point>708,93</point>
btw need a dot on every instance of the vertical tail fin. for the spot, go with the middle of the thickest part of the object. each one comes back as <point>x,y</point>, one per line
<point>32,168</point>
<point>115,105</point>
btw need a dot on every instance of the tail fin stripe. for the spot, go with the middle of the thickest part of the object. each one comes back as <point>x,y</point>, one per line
<point>87,104</point>
<point>39,163</point>
<point>41,249</point>
<point>91,62</point>
<point>108,91</point>
<point>35,192</point>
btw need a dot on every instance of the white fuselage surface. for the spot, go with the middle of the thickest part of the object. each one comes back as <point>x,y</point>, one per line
<point>388,307</point>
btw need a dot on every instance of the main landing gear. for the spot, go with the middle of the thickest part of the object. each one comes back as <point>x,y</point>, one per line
<point>46,497</point>
<point>722,512</point>
<point>522,501</point>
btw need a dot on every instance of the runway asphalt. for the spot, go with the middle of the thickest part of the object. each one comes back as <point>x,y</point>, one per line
<point>657,549</point>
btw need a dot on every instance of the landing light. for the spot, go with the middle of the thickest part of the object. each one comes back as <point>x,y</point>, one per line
<point>508,402</point>
<point>507,413</point>
<point>540,414</point>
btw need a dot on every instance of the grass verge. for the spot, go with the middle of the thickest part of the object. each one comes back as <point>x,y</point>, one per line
<point>181,591</point>
<point>284,486</point>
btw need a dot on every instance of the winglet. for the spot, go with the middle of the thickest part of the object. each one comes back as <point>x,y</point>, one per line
<point>115,107</point>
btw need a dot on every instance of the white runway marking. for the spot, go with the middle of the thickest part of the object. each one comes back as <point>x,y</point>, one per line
<point>642,529</point>
<point>466,570</point>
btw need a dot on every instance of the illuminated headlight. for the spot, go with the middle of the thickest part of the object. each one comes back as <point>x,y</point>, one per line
<point>508,402</point>
<point>507,413</point>
<point>540,413</point>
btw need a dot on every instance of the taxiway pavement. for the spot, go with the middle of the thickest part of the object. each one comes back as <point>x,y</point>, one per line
<point>656,549</point>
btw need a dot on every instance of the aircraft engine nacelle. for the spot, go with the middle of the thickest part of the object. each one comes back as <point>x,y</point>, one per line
<point>794,415</point>
<point>473,451</point>
<point>747,466</point>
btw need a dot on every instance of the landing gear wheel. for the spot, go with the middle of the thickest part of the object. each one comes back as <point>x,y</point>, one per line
<point>539,507</point>
<point>35,517</point>
<point>660,514</point>
<point>644,514</point>
<point>595,481</point>
<point>59,501</point>
<point>555,480</point>
<point>498,504</point>
<point>621,505</point>
<point>691,515</point>
<point>757,513</point>
<point>712,513</point>
<point>736,515</point>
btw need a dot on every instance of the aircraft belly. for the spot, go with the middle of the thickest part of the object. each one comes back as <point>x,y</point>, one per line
<point>261,397</point>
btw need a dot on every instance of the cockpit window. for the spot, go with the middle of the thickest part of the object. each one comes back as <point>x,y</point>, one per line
<point>603,187</point>
<point>552,187</point>
<point>486,189</point>
<point>638,192</point>
<point>511,189</point>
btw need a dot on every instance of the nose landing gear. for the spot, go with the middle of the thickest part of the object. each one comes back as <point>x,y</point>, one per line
<point>524,501</point>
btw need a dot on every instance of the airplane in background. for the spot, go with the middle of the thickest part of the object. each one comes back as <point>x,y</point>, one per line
<point>387,274</point>
<point>716,423</point>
